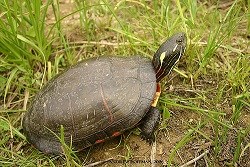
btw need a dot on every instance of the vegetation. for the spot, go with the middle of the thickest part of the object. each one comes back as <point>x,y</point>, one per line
<point>205,102</point>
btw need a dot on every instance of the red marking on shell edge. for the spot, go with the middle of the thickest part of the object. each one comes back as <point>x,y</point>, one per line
<point>99,141</point>
<point>158,87</point>
<point>116,134</point>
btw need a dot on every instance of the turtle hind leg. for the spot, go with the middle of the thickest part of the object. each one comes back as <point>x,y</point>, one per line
<point>48,147</point>
<point>149,124</point>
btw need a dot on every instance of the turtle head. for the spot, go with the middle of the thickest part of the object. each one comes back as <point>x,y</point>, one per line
<point>168,55</point>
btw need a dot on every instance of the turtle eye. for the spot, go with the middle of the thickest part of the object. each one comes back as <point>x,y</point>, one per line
<point>179,41</point>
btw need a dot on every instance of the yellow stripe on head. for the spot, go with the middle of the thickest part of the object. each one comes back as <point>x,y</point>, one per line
<point>162,57</point>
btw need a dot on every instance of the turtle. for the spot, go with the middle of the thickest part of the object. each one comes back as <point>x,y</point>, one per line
<point>101,97</point>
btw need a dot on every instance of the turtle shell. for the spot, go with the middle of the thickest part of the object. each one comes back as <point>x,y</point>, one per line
<point>94,100</point>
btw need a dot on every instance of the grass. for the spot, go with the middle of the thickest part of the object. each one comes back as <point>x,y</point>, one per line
<point>211,98</point>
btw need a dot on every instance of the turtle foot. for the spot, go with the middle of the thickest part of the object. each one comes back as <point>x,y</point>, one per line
<point>149,124</point>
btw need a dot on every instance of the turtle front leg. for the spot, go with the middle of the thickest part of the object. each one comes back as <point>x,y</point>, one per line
<point>150,122</point>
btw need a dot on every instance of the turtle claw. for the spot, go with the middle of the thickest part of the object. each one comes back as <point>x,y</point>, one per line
<point>149,139</point>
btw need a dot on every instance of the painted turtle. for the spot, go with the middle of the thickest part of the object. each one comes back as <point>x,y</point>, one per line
<point>99,98</point>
